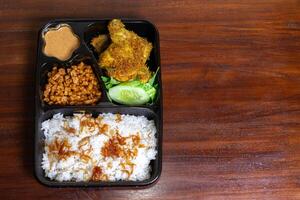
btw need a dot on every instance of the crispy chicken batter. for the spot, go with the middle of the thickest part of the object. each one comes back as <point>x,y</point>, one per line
<point>100,42</point>
<point>125,58</point>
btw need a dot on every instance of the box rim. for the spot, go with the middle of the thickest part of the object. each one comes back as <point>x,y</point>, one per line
<point>130,184</point>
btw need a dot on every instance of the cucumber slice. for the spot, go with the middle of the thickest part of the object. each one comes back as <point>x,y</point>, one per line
<point>128,95</point>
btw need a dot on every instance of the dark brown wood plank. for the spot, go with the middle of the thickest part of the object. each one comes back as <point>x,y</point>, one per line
<point>231,82</point>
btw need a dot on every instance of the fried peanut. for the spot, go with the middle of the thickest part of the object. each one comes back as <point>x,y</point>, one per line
<point>74,86</point>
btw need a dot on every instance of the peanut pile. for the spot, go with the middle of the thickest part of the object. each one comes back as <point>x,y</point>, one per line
<point>77,85</point>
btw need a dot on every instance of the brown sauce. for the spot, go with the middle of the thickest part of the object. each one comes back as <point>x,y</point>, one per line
<point>60,42</point>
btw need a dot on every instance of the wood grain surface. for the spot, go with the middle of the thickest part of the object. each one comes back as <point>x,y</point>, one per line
<point>231,80</point>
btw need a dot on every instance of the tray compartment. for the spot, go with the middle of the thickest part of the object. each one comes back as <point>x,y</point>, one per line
<point>137,111</point>
<point>142,28</point>
<point>80,57</point>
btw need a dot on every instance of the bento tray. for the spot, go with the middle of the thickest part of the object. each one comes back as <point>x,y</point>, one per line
<point>86,30</point>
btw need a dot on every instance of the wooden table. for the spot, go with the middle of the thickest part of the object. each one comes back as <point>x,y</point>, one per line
<point>231,79</point>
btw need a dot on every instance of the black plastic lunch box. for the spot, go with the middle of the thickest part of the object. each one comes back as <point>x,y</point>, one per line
<point>86,30</point>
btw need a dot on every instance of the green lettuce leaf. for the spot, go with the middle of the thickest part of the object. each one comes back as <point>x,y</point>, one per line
<point>150,88</point>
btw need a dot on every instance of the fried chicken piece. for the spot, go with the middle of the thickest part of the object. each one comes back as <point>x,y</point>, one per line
<point>100,42</point>
<point>125,58</point>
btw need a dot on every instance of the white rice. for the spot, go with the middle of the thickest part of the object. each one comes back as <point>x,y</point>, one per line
<point>83,151</point>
